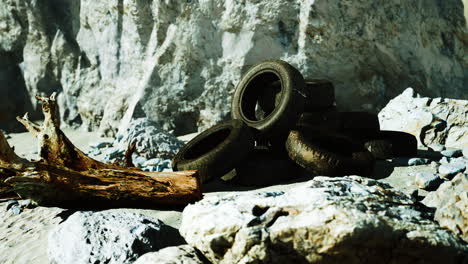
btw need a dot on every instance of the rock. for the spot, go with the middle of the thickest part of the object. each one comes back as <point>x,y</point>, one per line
<point>150,140</point>
<point>427,181</point>
<point>152,162</point>
<point>177,63</point>
<point>108,237</point>
<point>114,153</point>
<point>444,160</point>
<point>435,123</point>
<point>100,144</point>
<point>10,204</point>
<point>418,161</point>
<point>138,161</point>
<point>173,255</point>
<point>452,153</point>
<point>465,152</point>
<point>447,170</point>
<point>451,203</point>
<point>437,147</point>
<point>325,220</point>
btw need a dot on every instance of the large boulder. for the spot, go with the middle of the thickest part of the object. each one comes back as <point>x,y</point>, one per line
<point>326,220</point>
<point>108,237</point>
<point>434,121</point>
<point>184,254</point>
<point>177,62</point>
<point>451,203</point>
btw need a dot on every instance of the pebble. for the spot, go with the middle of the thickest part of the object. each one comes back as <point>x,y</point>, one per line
<point>444,160</point>
<point>437,147</point>
<point>152,162</point>
<point>16,210</point>
<point>452,153</point>
<point>448,170</point>
<point>418,161</point>
<point>427,181</point>
<point>138,161</point>
<point>114,153</point>
<point>11,203</point>
<point>100,144</point>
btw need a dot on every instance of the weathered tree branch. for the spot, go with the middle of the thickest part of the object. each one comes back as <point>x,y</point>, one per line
<point>66,177</point>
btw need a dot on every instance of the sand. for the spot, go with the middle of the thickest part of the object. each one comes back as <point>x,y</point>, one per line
<point>23,237</point>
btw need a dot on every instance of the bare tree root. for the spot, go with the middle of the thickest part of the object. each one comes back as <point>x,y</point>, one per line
<point>64,176</point>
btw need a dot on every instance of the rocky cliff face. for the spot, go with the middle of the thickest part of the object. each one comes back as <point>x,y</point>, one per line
<point>177,62</point>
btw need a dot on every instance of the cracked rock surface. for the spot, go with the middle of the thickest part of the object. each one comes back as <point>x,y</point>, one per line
<point>451,203</point>
<point>184,254</point>
<point>177,62</point>
<point>435,122</point>
<point>108,237</point>
<point>326,220</point>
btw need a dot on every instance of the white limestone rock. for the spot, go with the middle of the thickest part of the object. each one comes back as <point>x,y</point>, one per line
<point>108,237</point>
<point>434,121</point>
<point>178,62</point>
<point>451,203</point>
<point>184,254</point>
<point>326,220</point>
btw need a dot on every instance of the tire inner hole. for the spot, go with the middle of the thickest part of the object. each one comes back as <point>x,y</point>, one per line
<point>207,144</point>
<point>261,96</point>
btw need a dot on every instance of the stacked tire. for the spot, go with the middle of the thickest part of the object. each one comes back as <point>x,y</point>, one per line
<point>282,123</point>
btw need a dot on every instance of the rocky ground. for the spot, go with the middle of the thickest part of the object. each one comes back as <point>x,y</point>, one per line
<point>414,209</point>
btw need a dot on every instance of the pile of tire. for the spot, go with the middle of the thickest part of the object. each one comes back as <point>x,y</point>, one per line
<point>281,124</point>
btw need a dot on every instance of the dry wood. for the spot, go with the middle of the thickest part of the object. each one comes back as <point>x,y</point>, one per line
<point>66,177</point>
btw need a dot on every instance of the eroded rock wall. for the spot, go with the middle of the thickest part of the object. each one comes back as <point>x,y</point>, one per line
<point>177,62</point>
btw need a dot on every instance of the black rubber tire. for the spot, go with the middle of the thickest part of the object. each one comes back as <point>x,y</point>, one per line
<point>380,148</point>
<point>217,150</point>
<point>320,94</point>
<point>328,154</point>
<point>326,119</point>
<point>360,122</point>
<point>403,144</point>
<point>285,106</point>
<point>263,167</point>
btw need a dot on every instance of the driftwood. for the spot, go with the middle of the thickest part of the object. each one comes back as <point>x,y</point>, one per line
<point>66,177</point>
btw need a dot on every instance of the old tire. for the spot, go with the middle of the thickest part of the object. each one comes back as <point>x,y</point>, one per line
<point>283,106</point>
<point>403,144</point>
<point>379,148</point>
<point>217,150</point>
<point>265,167</point>
<point>326,119</point>
<point>359,122</point>
<point>320,94</point>
<point>328,154</point>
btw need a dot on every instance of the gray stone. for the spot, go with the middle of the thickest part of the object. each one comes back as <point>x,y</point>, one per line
<point>447,170</point>
<point>418,161</point>
<point>138,161</point>
<point>177,62</point>
<point>108,237</point>
<point>427,181</point>
<point>451,203</point>
<point>452,153</point>
<point>437,124</point>
<point>444,160</point>
<point>150,140</point>
<point>10,204</point>
<point>173,255</point>
<point>325,220</point>
<point>437,147</point>
<point>100,144</point>
<point>152,162</point>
